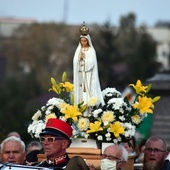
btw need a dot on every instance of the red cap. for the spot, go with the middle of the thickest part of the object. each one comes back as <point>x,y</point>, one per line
<point>57,127</point>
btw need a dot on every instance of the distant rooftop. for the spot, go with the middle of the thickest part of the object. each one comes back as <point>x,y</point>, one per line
<point>17,20</point>
<point>9,25</point>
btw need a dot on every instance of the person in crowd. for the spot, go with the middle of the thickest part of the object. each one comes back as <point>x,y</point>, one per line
<point>114,157</point>
<point>141,149</point>
<point>130,146</point>
<point>33,149</point>
<point>85,71</point>
<point>13,150</point>
<point>155,154</point>
<point>55,139</point>
<point>13,133</point>
<point>33,145</point>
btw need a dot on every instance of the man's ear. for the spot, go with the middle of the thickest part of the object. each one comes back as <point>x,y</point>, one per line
<point>66,143</point>
<point>166,154</point>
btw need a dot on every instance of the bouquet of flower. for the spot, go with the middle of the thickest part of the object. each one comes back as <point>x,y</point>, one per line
<point>57,107</point>
<point>116,121</point>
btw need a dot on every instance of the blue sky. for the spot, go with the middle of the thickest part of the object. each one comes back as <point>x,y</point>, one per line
<point>90,11</point>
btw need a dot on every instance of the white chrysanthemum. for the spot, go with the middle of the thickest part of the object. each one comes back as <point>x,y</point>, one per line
<point>121,110</point>
<point>50,107</point>
<point>105,123</point>
<point>93,101</point>
<point>115,141</point>
<point>55,101</point>
<point>116,103</point>
<point>100,137</point>
<point>39,128</point>
<point>129,129</point>
<point>36,128</point>
<point>96,112</point>
<point>108,116</point>
<point>47,112</point>
<point>83,124</point>
<point>108,139</point>
<point>110,92</point>
<point>43,108</point>
<point>37,115</point>
<point>136,119</point>
<point>108,135</point>
<point>122,118</point>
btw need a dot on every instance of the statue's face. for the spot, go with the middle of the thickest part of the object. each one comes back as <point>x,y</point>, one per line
<point>84,42</point>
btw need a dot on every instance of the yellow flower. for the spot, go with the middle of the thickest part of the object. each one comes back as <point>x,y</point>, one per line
<point>63,105</point>
<point>145,105</point>
<point>71,112</point>
<point>83,124</point>
<point>56,89</point>
<point>95,127</point>
<point>68,86</point>
<point>108,116</point>
<point>136,119</point>
<point>52,115</point>
<point>117,129</point>
<point>138,87</point>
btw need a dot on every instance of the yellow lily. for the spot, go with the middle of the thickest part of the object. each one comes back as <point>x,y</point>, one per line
<point>71,112</point>
<point>139,88</point>
<point>95,127</point>
<point>116,129</point>
<point>145,105</point>
<point>68,86</point>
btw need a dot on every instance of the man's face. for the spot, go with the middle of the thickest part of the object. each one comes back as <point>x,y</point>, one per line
<point>54,146</point>
<point>13,153</point>
<point>154,155</point>
<point>114,152</point>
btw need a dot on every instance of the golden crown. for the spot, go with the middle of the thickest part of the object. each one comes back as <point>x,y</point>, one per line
<point>84,30</point>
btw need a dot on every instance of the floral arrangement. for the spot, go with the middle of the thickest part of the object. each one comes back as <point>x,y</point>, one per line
<point>115,122</point>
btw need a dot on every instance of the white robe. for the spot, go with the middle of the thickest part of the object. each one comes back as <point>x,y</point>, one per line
<point>86,80</point>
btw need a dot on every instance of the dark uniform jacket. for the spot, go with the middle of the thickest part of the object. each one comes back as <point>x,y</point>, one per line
<point>58,163</point>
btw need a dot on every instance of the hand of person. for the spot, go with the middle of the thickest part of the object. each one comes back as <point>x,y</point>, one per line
<point>91,166</point>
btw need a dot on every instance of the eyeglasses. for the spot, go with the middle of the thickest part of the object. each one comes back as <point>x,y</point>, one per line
<point>155,150</point>
<point>50,139</point>
<point>110,157</point>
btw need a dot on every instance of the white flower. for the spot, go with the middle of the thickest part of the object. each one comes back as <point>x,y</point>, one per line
<point>100,137</point>
<point>83,124</point>
<point>129,129</point>
<point>111,92</point>
<point>37,115</point>
<point>108,134</point>
<point>122,118</point>
<point>108,116</point>
<point>93,101</point>
<point>116,103</point>
<point>96,112</point>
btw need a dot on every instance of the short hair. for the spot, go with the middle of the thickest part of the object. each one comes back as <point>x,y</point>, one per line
<point>13,133</point>
<point>15,139</point>
<point>157,138</point>
<point>121,149</point>
<point>34,143</point>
